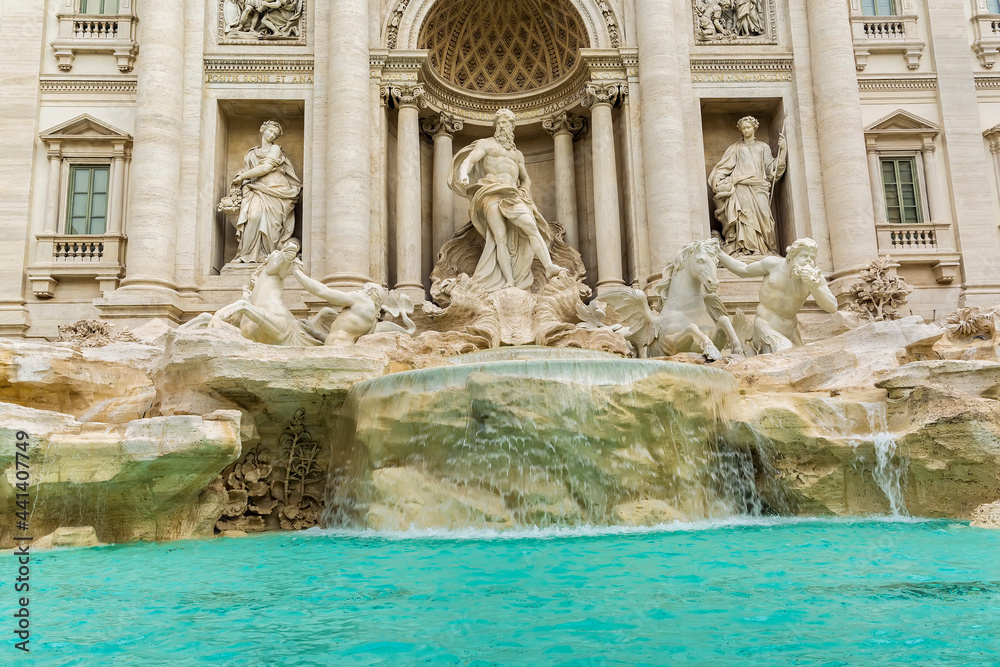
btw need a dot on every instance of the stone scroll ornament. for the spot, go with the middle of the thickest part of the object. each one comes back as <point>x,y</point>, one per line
<point>729,20</point>
<point>262,19</point>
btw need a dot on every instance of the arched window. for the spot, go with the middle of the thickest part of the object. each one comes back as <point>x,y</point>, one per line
<point>880,7</point>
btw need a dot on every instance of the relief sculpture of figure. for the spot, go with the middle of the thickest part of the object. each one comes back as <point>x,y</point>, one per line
<point>269,192</point>
<point>748,18</point>
<point>787,284</point>
<point>491,173</point>
<point>262,19</point>
<point>742,183</point>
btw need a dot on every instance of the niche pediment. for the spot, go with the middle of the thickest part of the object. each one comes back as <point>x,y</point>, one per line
<point>902,122</point>
<point>84,127</point>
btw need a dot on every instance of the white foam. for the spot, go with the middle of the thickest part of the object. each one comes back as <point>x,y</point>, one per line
<point>599,531</point>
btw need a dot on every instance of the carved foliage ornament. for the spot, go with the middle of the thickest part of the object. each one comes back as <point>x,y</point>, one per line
<point>604,93</point>
<point>400,95</point>
<point>564,122</point>
<point>441,124</point>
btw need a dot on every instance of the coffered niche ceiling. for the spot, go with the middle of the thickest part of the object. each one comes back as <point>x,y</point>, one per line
<point>503,46</point>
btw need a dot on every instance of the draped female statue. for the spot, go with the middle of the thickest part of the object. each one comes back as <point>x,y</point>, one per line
<point>269,189</point>
<point>742,183</point>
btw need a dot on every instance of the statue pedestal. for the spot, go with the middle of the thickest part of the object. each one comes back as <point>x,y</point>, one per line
<point>238,269</point>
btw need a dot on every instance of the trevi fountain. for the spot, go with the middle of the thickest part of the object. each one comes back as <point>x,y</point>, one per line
<point>431,389</point>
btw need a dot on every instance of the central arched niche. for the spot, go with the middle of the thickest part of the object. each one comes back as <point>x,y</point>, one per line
<point>502,47</point>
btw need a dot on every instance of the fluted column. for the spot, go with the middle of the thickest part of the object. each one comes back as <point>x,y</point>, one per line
<point>930,179</point>
<point>408,204</point>
<point>849,209</point>
<point>564,127</point>
<point>117,203</point>
<point>442,130</point>
<point>878,190</point>
<point>661,62</point>
<point>348,209</point>
<point>155,179</point>
<point>607,216</point>
<point>51,224</point>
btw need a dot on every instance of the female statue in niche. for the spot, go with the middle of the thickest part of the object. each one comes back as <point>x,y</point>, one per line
<point>742,183</point>
<point>269,191</point>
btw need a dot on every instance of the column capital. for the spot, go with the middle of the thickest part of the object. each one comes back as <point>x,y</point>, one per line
<point>871,145</point>
<point>442,124</point>
<point>604,93</point>
<point>403,94</point>
<point>564,123</point>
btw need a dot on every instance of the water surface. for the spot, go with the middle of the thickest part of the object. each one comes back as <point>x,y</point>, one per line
<point>760,592</point>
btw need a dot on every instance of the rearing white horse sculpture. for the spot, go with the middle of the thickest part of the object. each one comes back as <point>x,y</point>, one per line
<point>692,317</point>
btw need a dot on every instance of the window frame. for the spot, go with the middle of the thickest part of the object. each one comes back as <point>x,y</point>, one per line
<point>894,7</point>
<point>86,8</point>
<point>74,166</point>
<point>918,186</point>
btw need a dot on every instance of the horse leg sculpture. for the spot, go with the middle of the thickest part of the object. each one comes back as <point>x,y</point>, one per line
<point>735,344</point>
<point>708,348</point>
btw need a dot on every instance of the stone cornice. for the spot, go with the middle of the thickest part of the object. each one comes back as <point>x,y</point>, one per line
<point>250,64</point>
<point>76,85</point>
<point>905,82</point>
<point>748,64</point>
<point>719,69</point>
<point>988,81</point>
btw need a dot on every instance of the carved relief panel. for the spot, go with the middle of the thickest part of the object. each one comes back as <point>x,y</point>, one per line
<point>262,22</point>
<point>734,21</point>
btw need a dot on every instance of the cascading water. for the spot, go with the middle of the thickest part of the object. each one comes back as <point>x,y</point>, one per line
<point>890,465</point>
<point>538,438</point>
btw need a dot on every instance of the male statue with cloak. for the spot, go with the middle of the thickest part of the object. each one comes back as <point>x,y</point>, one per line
<point>491,174</point>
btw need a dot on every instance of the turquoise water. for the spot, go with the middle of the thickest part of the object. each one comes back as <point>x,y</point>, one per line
<point>758,592</point>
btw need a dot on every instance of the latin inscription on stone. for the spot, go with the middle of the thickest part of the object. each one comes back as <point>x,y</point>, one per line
<point>251,77</point>
<point>726,77</point>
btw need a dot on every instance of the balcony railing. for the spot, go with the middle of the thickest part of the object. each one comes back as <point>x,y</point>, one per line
<point>96,33</point>
<point>78,249</point>
<point>98,256</point>
<point>887,34</point>
<point>923,244</point>
<point>987,41</point>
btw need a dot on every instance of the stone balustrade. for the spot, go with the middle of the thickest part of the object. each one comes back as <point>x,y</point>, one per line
<point>886,34</point>
<point>96,33</point>
<point>987,39</point>
<point>98,256</point>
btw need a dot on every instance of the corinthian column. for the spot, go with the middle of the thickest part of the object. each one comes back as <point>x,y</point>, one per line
<point>661,62</point>
<point>442,130</point>
<point>408,205</point>
<point>842,155</point>
<point>348,217</point>
<point>563,128</point>
<point>600,98</point>
<point>155,176</point>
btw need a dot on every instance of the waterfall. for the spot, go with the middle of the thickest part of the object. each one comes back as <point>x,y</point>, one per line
<point>529,438</point>
<point>890,466</point>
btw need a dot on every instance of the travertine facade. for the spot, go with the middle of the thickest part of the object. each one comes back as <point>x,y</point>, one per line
<point>125,129</point>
